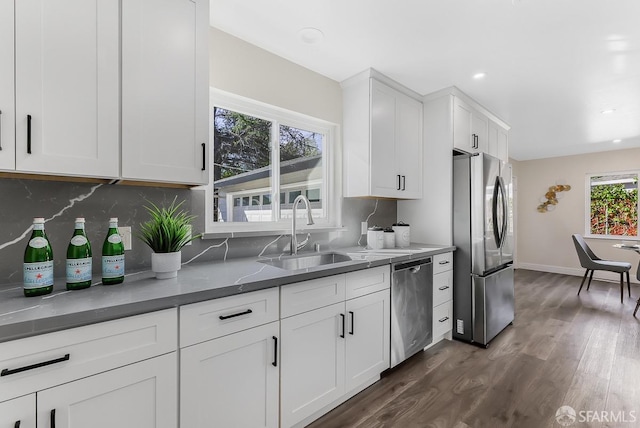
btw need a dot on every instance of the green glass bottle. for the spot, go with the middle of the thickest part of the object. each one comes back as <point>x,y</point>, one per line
<point>38,262</point>
<point>79,259</point>
<point>113,255</point>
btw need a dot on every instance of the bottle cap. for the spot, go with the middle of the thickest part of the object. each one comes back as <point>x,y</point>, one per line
<point>80,220</point>
<point>113,220</point>
<point>38,220</point>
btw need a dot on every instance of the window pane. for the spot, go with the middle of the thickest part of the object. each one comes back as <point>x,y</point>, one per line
<point>614,205</point>
<point>301,158</point>
<point>242,164</point>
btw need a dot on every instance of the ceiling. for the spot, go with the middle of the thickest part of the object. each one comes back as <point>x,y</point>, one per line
<point>552,66</point>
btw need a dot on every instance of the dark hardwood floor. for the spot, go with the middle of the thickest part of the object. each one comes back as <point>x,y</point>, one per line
<point>563,349</point>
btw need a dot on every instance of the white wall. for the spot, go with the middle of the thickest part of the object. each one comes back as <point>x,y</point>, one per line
<point>544,240</point>
<point>244,69</point>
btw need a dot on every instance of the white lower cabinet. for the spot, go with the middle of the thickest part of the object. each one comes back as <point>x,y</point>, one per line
<point>141,395</point>
<point>313,362</point>
<point>232,381</point>
<point>332,352</point>
<point>19,412</point>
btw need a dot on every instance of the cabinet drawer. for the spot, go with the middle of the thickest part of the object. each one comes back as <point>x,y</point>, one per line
<point>214,318</point>
<point>442,322</point>
<point>308,295</point>
<point>442,287</point>
<point>442,262</point>
<point>40,362</point>
<point>368,281</point>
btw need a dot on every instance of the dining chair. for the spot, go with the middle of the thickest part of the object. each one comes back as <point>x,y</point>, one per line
<point>638,303</point>
<point>591,263</point>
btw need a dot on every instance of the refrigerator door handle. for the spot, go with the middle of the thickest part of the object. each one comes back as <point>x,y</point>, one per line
<point>505,210</point>
<point>494,211</point>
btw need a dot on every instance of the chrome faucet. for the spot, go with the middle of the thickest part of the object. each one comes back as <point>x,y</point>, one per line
<point>294,240</point>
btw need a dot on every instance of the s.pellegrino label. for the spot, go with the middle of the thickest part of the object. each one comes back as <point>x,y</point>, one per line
<point>38,262</point>
<point>113,255</point>
<point>79,258</point>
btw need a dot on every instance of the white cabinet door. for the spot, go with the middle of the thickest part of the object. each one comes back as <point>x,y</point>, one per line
<point>385,177</point>
<point>67,87</point>
<point>312,365</point>
<point>498,141</point>
<point>469,128</point>
<point>409,146</point>
<point>165,95</point>
<point>19,412</point>
<point>231,381</point>
<point>7,117</point>
<point>367,353</point>
<point>141,395</point>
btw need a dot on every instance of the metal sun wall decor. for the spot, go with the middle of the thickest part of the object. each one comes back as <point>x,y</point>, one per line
<point>550,199</point>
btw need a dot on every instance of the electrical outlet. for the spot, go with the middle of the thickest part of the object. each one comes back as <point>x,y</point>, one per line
<point>363,228</point>
<point>189,235</point>
<point>125,234</point>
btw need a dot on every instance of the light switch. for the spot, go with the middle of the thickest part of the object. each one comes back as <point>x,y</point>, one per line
<point>125,234</point>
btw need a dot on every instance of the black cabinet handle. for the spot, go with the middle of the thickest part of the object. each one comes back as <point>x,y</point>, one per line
<point>7,372</point>
<point>443,287</point>
<point>443,319</point>
<point>404,182</point>
<point>343,318</point>
<point>29,134</point>
<point>398,186</point>
<point>17,425</point>
<point>275,352</point>
<point>204,156</point>
<point>443,262</point>
<point>226,317</point>
<point>53,418</point>
<point>353,320</point>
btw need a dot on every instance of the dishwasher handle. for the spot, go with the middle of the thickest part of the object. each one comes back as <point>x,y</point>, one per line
<point>413,264</point>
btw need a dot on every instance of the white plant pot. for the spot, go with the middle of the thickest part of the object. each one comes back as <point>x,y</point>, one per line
<point>166,265</point>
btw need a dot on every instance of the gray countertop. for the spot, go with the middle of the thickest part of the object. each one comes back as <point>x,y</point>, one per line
<point>141,292</point>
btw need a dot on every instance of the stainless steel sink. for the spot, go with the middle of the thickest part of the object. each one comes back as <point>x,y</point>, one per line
<point>307,261</point>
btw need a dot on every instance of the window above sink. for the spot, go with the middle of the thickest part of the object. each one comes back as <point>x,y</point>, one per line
<point>263,157</point>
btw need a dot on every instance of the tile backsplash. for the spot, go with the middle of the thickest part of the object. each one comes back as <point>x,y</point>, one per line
<point>61,202</point>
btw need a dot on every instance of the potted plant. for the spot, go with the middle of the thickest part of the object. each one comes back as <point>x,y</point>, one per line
<point>166,233</point>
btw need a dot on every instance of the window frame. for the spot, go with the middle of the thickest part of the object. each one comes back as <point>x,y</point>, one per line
<point>332,167</point>
<point>587,214</point>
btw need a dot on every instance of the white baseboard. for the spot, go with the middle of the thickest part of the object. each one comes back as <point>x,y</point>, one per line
<point>599,274</point>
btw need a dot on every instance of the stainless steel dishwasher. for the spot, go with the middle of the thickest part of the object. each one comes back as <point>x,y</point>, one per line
<point>411,308</point>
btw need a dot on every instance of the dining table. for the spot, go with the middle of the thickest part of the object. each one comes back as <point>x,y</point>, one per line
<point>636,248</point>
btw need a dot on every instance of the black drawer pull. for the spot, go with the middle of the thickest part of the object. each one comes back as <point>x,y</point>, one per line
<point>275,352</point>
<point>443,319</point>
<point>343,318</point>
<point>398,186</point>
<point>353,321</point>
<point>444,287</point>
<point>204,156</point>
<point>17,425</point>
<point>443,262</point>
<point>226,317</point>
<point>53,418</point>
<point>29,134</point>
<point>7,372</point>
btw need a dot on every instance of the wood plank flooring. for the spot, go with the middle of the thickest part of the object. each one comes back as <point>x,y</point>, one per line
<point>563,349</point>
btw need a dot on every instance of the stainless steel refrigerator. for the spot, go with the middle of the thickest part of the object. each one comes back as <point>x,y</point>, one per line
<point>483,297</point>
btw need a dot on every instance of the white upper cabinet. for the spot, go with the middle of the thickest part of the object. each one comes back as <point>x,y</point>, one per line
<point>7,117</point>
<point>165,96</point>
<point>66,87</point>
<point>382,138</point>
<point>498,141</point>
<point>469,128</point>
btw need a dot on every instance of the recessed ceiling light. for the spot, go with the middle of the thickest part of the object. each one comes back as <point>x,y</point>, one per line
<point>310,35</point>
<point>609,111</point>
<point>617,140</point>
<point>480,75</point>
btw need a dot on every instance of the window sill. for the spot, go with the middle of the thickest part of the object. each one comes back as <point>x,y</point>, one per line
<point>272,232</point>
<point>613,238</point>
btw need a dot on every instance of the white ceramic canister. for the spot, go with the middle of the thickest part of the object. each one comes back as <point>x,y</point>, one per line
<point>375,238</point>
<point>402,233</point>
<point>389,240</point>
